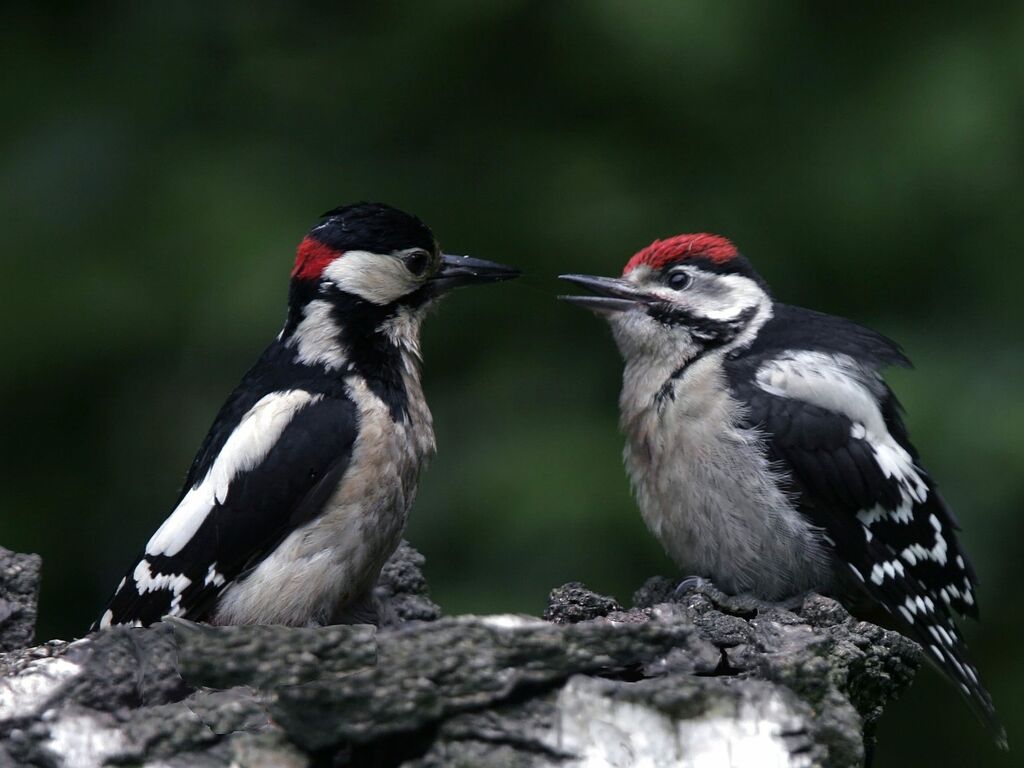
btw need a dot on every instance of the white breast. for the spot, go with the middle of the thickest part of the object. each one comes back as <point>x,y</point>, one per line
<point>707,492</point>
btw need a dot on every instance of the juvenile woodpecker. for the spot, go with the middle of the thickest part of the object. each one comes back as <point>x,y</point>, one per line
<point>767,453</point>
<point>301,489</point>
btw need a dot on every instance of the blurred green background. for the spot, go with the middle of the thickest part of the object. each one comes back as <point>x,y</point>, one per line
<point>160,161</point>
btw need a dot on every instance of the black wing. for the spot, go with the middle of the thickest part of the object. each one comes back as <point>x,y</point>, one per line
<point>262,504</point>
<point>880,510</point>
<point>797,328</point>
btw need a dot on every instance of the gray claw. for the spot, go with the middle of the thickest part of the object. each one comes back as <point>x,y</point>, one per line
<point>690,582</point>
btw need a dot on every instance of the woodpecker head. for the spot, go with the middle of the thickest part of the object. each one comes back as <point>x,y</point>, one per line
<point>679,298</point>
<point>370,272</point>
<point>377,254</point>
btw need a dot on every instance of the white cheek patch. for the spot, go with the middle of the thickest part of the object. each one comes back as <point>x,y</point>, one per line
<point>735,295</point>
<point>377,278</point>
<point>722,298</point>
<point>716,297</point>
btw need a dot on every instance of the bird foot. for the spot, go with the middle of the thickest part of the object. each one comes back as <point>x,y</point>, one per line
<point>690,583</point>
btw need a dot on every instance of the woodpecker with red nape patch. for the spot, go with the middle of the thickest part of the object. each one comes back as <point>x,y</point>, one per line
<point>768,454</point>
<point>301,490</point>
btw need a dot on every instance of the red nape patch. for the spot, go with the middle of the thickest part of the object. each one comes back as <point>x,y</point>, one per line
<point>701,245</point>
<point>312,258</point>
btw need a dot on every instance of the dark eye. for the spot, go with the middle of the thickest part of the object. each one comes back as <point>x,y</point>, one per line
<point>417,262</point>
<point>679,280</point>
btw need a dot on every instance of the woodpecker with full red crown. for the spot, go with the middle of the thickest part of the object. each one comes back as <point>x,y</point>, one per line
<point>768,454</point>
<point>301,490</point>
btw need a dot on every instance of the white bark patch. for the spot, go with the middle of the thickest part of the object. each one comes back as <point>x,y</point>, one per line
<point>605,733</point>
<point>247,446</point>
<point>82,741</point>
<point>510,621</point>
<point>24,693</point>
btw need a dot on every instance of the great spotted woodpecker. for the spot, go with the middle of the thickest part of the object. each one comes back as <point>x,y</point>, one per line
<point>301,489</point>
<point>768,454</point>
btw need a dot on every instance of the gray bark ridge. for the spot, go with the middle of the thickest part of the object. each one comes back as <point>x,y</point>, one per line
<point>703,677</point>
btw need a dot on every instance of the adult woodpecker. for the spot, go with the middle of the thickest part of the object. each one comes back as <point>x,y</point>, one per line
<point>301,489</point>
<point>768,454</point>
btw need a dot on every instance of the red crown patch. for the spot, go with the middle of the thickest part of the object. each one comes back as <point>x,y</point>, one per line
<point>681,247</point>
<point>311,258</point>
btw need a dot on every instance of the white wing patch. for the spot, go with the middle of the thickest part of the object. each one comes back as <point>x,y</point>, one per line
<point>840,384</point>
<point>147,581</point>
<point>896,463</point>
<point>837,383</point>
<point>213,577</point>
<point>247,446</point>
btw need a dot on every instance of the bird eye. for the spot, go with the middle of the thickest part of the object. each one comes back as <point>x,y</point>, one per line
<point>679,280</point>
<point>417,261</point>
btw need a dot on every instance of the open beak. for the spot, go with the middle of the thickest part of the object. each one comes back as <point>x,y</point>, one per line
<point>613,294</point>
<point>457,271</point>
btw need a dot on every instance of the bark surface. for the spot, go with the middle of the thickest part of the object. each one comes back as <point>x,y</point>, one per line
<point>697,679</point>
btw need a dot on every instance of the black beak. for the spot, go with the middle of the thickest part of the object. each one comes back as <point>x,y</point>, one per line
<point>613,295</point>
<point>457,271</point>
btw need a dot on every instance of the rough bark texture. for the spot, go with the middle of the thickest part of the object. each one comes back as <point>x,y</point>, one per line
<point>703,678</point>
<point>19,591</point>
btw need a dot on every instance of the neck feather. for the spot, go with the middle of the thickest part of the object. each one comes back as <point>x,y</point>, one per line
<point>379,344</point>
<point>652,379</point>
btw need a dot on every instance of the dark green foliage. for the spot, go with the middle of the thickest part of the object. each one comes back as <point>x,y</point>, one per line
<point>160,162</point>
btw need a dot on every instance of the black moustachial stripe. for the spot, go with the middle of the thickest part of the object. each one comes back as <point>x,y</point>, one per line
<point>371,354</point>
<point>711,334</point>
